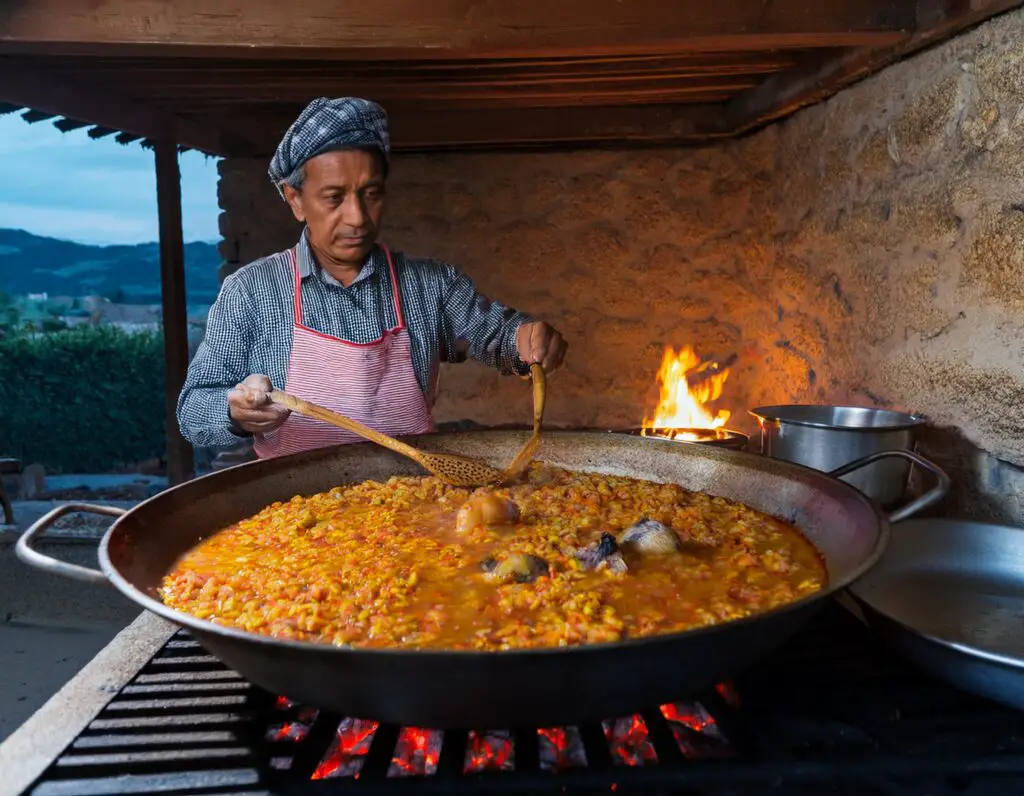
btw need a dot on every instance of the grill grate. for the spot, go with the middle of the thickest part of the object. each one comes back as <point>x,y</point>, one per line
<point>830,712</point>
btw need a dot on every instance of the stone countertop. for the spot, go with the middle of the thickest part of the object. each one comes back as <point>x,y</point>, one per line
<point>41,739</point>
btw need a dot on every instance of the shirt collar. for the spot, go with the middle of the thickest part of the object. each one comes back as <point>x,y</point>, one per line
<point>308,265</point>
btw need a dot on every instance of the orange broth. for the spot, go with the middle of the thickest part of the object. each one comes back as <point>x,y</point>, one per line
<point>381,565</point>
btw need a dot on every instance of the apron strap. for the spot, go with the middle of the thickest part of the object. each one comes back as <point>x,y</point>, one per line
<point>395,288</point>
<point>298,286</point>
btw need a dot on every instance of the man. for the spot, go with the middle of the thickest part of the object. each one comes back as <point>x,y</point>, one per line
<point>339,319</point>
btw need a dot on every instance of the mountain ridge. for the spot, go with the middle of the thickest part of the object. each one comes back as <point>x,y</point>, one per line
<point>31,263</point>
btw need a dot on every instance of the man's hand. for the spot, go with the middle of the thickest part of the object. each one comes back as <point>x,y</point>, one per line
<point>541,343</point>
<point>250,406</point>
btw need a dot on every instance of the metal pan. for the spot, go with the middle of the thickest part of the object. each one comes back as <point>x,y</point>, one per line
<point>949,595</point>
<point>517,688</point>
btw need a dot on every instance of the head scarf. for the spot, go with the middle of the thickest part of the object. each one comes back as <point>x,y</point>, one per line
<point>328,124</point>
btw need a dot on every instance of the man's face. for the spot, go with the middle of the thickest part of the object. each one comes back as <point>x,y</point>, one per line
<point>342,202</point>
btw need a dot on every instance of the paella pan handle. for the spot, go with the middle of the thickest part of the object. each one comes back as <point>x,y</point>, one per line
<point>24,550</point>
<point>933,495</point>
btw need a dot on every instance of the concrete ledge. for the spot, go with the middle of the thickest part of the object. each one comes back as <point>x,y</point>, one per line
<point>27,753</point>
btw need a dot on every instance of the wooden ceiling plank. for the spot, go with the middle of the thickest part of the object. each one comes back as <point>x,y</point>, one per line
<point>739,43</point>
<point>157,67</point>
<point>429,29</point>
<point>167,70</point>
<point>433,130</point>
<point>786,92</point>
<point>32,116</point>
<point>623,99</point>
<point>46,94</point>
<point>216,85</point>
<point>67,125</point>
<point>525,93</point>
<point>568,105</point>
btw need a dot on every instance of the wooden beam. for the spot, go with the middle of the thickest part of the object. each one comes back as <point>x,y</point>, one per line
<point>422,130</point>
<point>99,105</point>
<point>195,83</point>
<point>638,93</point>
<point>161,69</point>
<point>786,92</point>
<point>440,28</point>
<point>276,86</point>
<point>180,465</point>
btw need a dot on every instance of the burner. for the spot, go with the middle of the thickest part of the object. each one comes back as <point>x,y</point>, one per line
<point>717,437</point>
<point>829,713</point>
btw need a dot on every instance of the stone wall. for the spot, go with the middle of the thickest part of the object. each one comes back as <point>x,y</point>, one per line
<point>869,250</point>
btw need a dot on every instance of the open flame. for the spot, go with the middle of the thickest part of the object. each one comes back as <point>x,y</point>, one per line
<point>686,386</point>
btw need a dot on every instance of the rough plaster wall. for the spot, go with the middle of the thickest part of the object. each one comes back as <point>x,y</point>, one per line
<point>868,250</point>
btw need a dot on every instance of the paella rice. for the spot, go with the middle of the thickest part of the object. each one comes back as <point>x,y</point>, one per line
<point>386,564</point>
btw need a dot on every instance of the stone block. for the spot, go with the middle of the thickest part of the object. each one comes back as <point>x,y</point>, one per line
<point>922,209</point>
<point>994,265</point>
<point>999,72</point>
<point>502,199</point>
<point>929,117</point>
<point>587,198</point>
<point>875,161</point>
<point>919,303</point>
<point>983,401</point>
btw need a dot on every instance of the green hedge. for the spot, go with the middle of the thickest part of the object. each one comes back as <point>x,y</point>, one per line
<point>88,399</point>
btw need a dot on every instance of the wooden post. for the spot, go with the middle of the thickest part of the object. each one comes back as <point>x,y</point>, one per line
<point>175,315</point>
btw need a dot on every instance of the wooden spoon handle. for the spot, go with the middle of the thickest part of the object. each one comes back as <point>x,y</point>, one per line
<point>539,393</point>
<point>327,416</point>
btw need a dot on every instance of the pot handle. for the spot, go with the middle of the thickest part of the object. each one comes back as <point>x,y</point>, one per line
<point>24,550</point>
<point>935,494</point>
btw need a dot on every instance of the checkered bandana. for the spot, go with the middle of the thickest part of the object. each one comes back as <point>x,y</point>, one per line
<point>327,124</point>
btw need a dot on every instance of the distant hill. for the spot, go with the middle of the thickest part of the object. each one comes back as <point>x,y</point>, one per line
<point>35,264</point>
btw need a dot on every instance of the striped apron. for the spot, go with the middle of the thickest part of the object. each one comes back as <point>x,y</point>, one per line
<point>374,383</point>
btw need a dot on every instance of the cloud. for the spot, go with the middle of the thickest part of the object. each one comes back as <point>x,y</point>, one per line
<point>67,185</point>
<point>81,226</point>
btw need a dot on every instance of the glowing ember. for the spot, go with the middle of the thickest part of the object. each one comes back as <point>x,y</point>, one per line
<point>416,753</point>
<point>289,731</point>
<point>696,731</point>
<point>561,748</point>
<point>692,716</point>
<point>345,756</point>
<point>490,751</point>
<point>628,741</point>
<point>682,406</point>
<point>728,693</point>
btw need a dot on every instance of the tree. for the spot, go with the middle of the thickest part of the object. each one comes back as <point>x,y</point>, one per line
<point>117,297</point>
<point>10,318</point>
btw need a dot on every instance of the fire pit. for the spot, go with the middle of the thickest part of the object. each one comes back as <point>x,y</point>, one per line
<point>687,384</point>
<point>830,712</point>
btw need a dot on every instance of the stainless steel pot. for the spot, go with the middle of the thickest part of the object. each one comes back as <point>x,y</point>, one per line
<point>829,437</point>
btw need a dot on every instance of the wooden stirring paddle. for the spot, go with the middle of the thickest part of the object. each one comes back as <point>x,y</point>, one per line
<point>529,450</point>
<point>453,470</point>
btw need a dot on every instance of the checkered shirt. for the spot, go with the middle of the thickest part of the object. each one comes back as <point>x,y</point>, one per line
<point>249,327</point>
